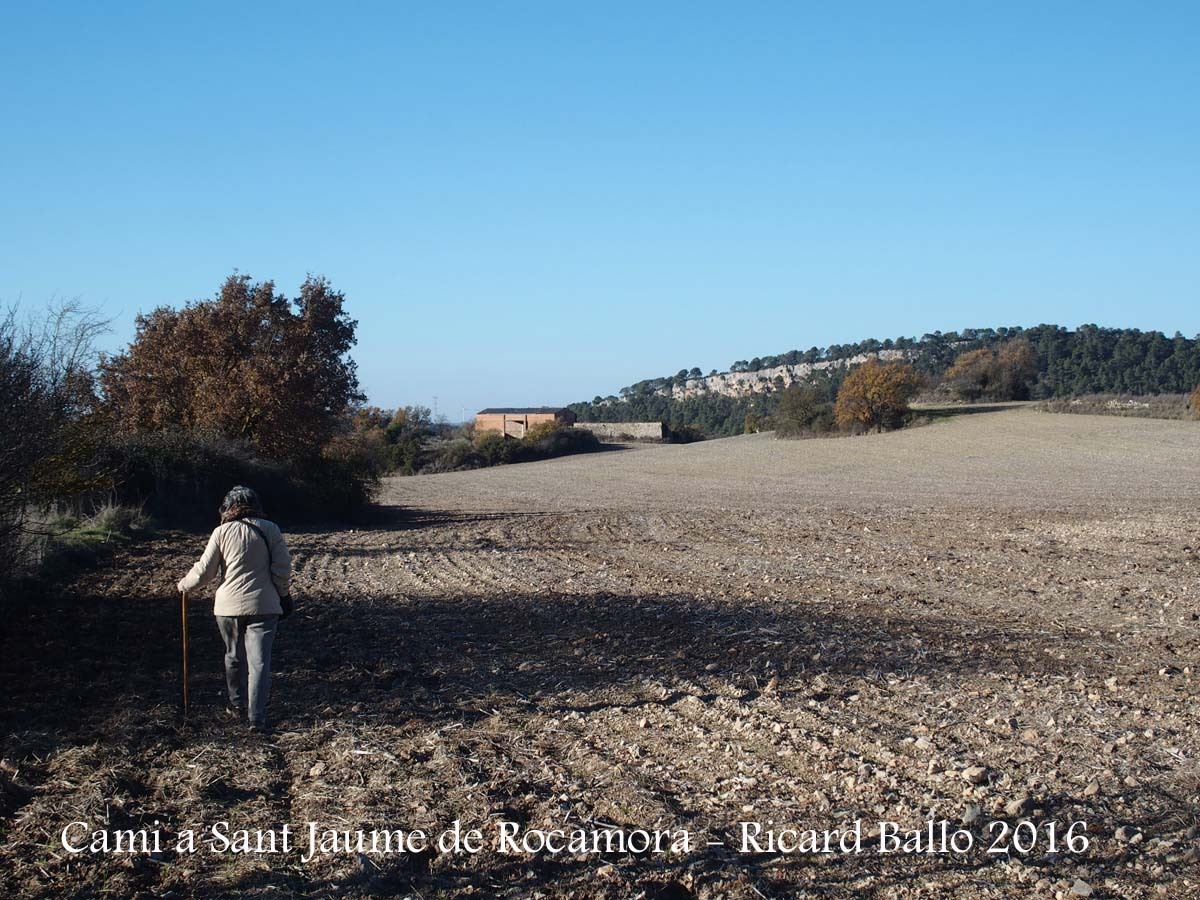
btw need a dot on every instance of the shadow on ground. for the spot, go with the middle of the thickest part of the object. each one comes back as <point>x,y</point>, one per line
<point>88,670</point>
<point>68,661</point>
<point>953,410</point>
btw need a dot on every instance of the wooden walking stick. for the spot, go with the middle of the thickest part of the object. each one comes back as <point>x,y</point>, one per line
<point>183,625</point>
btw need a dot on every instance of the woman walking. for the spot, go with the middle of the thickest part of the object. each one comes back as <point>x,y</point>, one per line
<point>252,598</point>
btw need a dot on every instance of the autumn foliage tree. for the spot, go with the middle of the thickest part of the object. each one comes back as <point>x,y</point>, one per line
<point>249,364</point>
<point>875,395</point>
<point>985,374</point>
<point>968,378</point>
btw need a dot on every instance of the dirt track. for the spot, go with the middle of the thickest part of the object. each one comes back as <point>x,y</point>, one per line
<point>999,610</point>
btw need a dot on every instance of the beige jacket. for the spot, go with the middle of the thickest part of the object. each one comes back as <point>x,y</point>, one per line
<point>239,551</point>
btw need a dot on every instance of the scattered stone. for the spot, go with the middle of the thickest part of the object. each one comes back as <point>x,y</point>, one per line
<point>972,814</point>
<point>974,774</point>
<point>1019,807</point>
<point>1081,888</point>
<point>1128,834</point>
<point>1092,789</point>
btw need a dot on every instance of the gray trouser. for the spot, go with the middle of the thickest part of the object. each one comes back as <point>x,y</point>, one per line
<point>248,641</point>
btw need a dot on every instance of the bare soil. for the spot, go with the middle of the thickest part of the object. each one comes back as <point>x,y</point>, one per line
<point>1000,610</point>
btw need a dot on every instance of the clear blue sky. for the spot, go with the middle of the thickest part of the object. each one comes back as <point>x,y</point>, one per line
<point>532,203</point>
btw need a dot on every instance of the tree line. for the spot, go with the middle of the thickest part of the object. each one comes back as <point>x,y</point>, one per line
<point>1059,362</point>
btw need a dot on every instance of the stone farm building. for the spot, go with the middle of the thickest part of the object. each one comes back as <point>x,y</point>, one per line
<point>514,421</point>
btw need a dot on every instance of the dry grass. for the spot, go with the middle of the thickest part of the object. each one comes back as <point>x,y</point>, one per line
<point>667,636</point>
<point>1156,406</point>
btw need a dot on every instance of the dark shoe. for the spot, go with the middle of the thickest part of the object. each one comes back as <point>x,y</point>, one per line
<point>260,727</point>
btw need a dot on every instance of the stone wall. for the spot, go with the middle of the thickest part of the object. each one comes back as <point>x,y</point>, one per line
<point>621,431</point>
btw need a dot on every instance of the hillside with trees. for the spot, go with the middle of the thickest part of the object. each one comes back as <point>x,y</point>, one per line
<point>1045,361</point>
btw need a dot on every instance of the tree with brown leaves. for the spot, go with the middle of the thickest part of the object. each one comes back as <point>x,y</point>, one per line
<point>875,395</point>
<point>1004,374</point>
<point>249,364</point>
<point>971,374</point>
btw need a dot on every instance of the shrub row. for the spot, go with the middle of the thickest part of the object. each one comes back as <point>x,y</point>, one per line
<point>491,448</point>
<point>179,477</point>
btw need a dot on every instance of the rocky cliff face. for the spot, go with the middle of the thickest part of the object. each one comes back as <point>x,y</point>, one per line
<point>743,384</point>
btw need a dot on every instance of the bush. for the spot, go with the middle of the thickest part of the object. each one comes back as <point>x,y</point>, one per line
<point>804,409</point>
<point>825,422</point>
<point>496,449</point>
<point>682,434</point>
<point>180,477</point>
<point>65,542</point>
<point>365,452</point>
<point>491,448</point>
<point>564,441</point>
<point>400,433</point>
<point>49,433</point>
<point>407,430</point>
<point>1195,402</point>
<point>540,431</point>
<point>451,456</point>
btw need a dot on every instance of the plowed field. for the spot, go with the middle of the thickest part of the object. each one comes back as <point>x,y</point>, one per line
<point>989,621</point>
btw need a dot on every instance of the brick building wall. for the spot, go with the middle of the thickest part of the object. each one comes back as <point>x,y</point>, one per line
<point>516,421</point>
